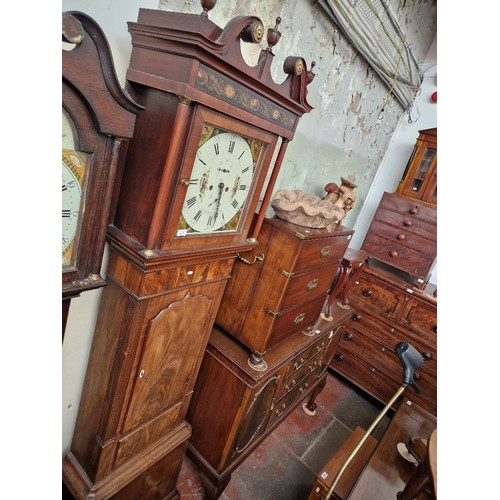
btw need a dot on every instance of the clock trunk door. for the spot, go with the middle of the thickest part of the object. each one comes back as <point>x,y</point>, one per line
<point>173,345</point>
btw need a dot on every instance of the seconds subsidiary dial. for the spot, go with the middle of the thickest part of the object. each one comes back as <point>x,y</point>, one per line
<point>220,182</point>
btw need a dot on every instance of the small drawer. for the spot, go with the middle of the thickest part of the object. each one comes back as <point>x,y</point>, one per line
<point>296,394</point>
<point>308,286</point>
<point>412,261</point>
<point>304,358</point>
<point>176,277</point>
<point>420,317</point>
<point>303,372</point>
<point>383,299</point>
<point>406,222</point>
<point>410,207</point>
<point>402,236</point>
<point>321,252</point>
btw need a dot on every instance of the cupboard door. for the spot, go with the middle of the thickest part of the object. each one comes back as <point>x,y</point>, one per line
<point>172,346</point>
<point>256,416</point>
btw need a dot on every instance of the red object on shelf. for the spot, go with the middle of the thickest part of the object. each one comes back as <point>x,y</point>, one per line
<point>434,96</point>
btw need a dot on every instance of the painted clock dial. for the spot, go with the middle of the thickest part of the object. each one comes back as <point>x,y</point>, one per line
<point>219,183</point>
<point>73,167</point>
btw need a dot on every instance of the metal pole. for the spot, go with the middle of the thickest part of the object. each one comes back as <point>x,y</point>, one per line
<point>363,439</point>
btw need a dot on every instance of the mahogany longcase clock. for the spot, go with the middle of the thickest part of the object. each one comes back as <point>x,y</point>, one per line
<point>194,171</point>
<point>97,119</point>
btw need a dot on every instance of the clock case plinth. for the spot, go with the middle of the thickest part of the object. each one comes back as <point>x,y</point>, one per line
<point>158,310</point>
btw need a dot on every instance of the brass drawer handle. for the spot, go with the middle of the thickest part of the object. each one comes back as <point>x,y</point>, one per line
<point>326,251</point>
<point>312,284</point>
<point>348,336</point>
<point>299,318</point>
<point>401,237</point>
<point>394,253</point>
<point>367,293</point>
<point>356,317</point>
<point>257,258</point>
<point>339,357</point>
<point>408,223</point>
<point>414,210</point>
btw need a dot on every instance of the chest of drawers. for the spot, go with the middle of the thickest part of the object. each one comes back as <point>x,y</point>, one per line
<point>280,287</point>
<point>386,310</point>
<point>403,234</point>
<point>235,407</point>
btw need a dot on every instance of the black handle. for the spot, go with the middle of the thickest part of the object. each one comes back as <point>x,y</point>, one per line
<point>411,360</point>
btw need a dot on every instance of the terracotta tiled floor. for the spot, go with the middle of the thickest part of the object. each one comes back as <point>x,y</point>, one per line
<point>285,465</point>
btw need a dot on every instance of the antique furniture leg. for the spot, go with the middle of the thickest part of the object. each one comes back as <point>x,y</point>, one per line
<point>351,266</point>
<point>311,405</point>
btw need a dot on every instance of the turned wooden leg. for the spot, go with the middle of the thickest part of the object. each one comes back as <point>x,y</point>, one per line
<point>338,284</point>
<point>354,272</point>
<point>417,483</point>
<point>311,405</point>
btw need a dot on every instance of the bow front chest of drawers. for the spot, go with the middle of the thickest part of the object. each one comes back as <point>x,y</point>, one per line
<point>387,310</point>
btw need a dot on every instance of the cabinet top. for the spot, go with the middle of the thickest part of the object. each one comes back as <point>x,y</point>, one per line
<point>400,279</point>
<point>309,233</point>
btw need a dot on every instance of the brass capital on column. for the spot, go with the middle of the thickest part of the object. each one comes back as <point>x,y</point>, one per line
<point>184,100</point>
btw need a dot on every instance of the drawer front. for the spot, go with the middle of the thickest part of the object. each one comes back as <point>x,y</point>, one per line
<point>401,257</point>
<point>296,394</point>
<point>409,223</point>
<point>402,237</point>
<point>295,319</point>
<point>420,317</point>
<point>363,374</point>
<point>382,356</point>
<point>375,379</point>
<point>408,207</point>
<point>321,252</point>
<point>385,301</point>
<point>388,336</point>
<point>298,375</point>
<point>305,287</point>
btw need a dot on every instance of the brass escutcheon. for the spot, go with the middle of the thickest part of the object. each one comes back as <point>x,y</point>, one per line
<point>326,251</point>
<point>299,318</point>
<point>313,284</point>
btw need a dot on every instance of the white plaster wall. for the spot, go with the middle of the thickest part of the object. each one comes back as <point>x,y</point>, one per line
<point>342,137</point>
<point>400,149</point>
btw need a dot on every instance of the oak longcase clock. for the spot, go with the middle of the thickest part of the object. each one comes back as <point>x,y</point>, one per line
<point>212,132</point>
<point>97,116</point>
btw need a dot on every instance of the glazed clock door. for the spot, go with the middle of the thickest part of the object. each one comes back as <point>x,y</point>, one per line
<point>74,170</point>
<point>220,181</point>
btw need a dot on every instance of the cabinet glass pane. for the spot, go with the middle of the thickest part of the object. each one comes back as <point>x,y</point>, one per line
<point>423,169</point>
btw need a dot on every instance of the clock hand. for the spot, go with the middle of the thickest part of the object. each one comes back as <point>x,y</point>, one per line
<point>216,212</point>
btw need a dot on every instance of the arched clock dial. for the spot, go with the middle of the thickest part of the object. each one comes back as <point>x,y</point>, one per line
<point>72,174</point>
<point>219,184</point>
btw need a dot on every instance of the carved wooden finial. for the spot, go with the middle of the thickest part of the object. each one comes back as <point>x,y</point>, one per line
<point>72,29</point>
<point>207,5</point>
<point>273,35</point>
<point>310,73</point>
